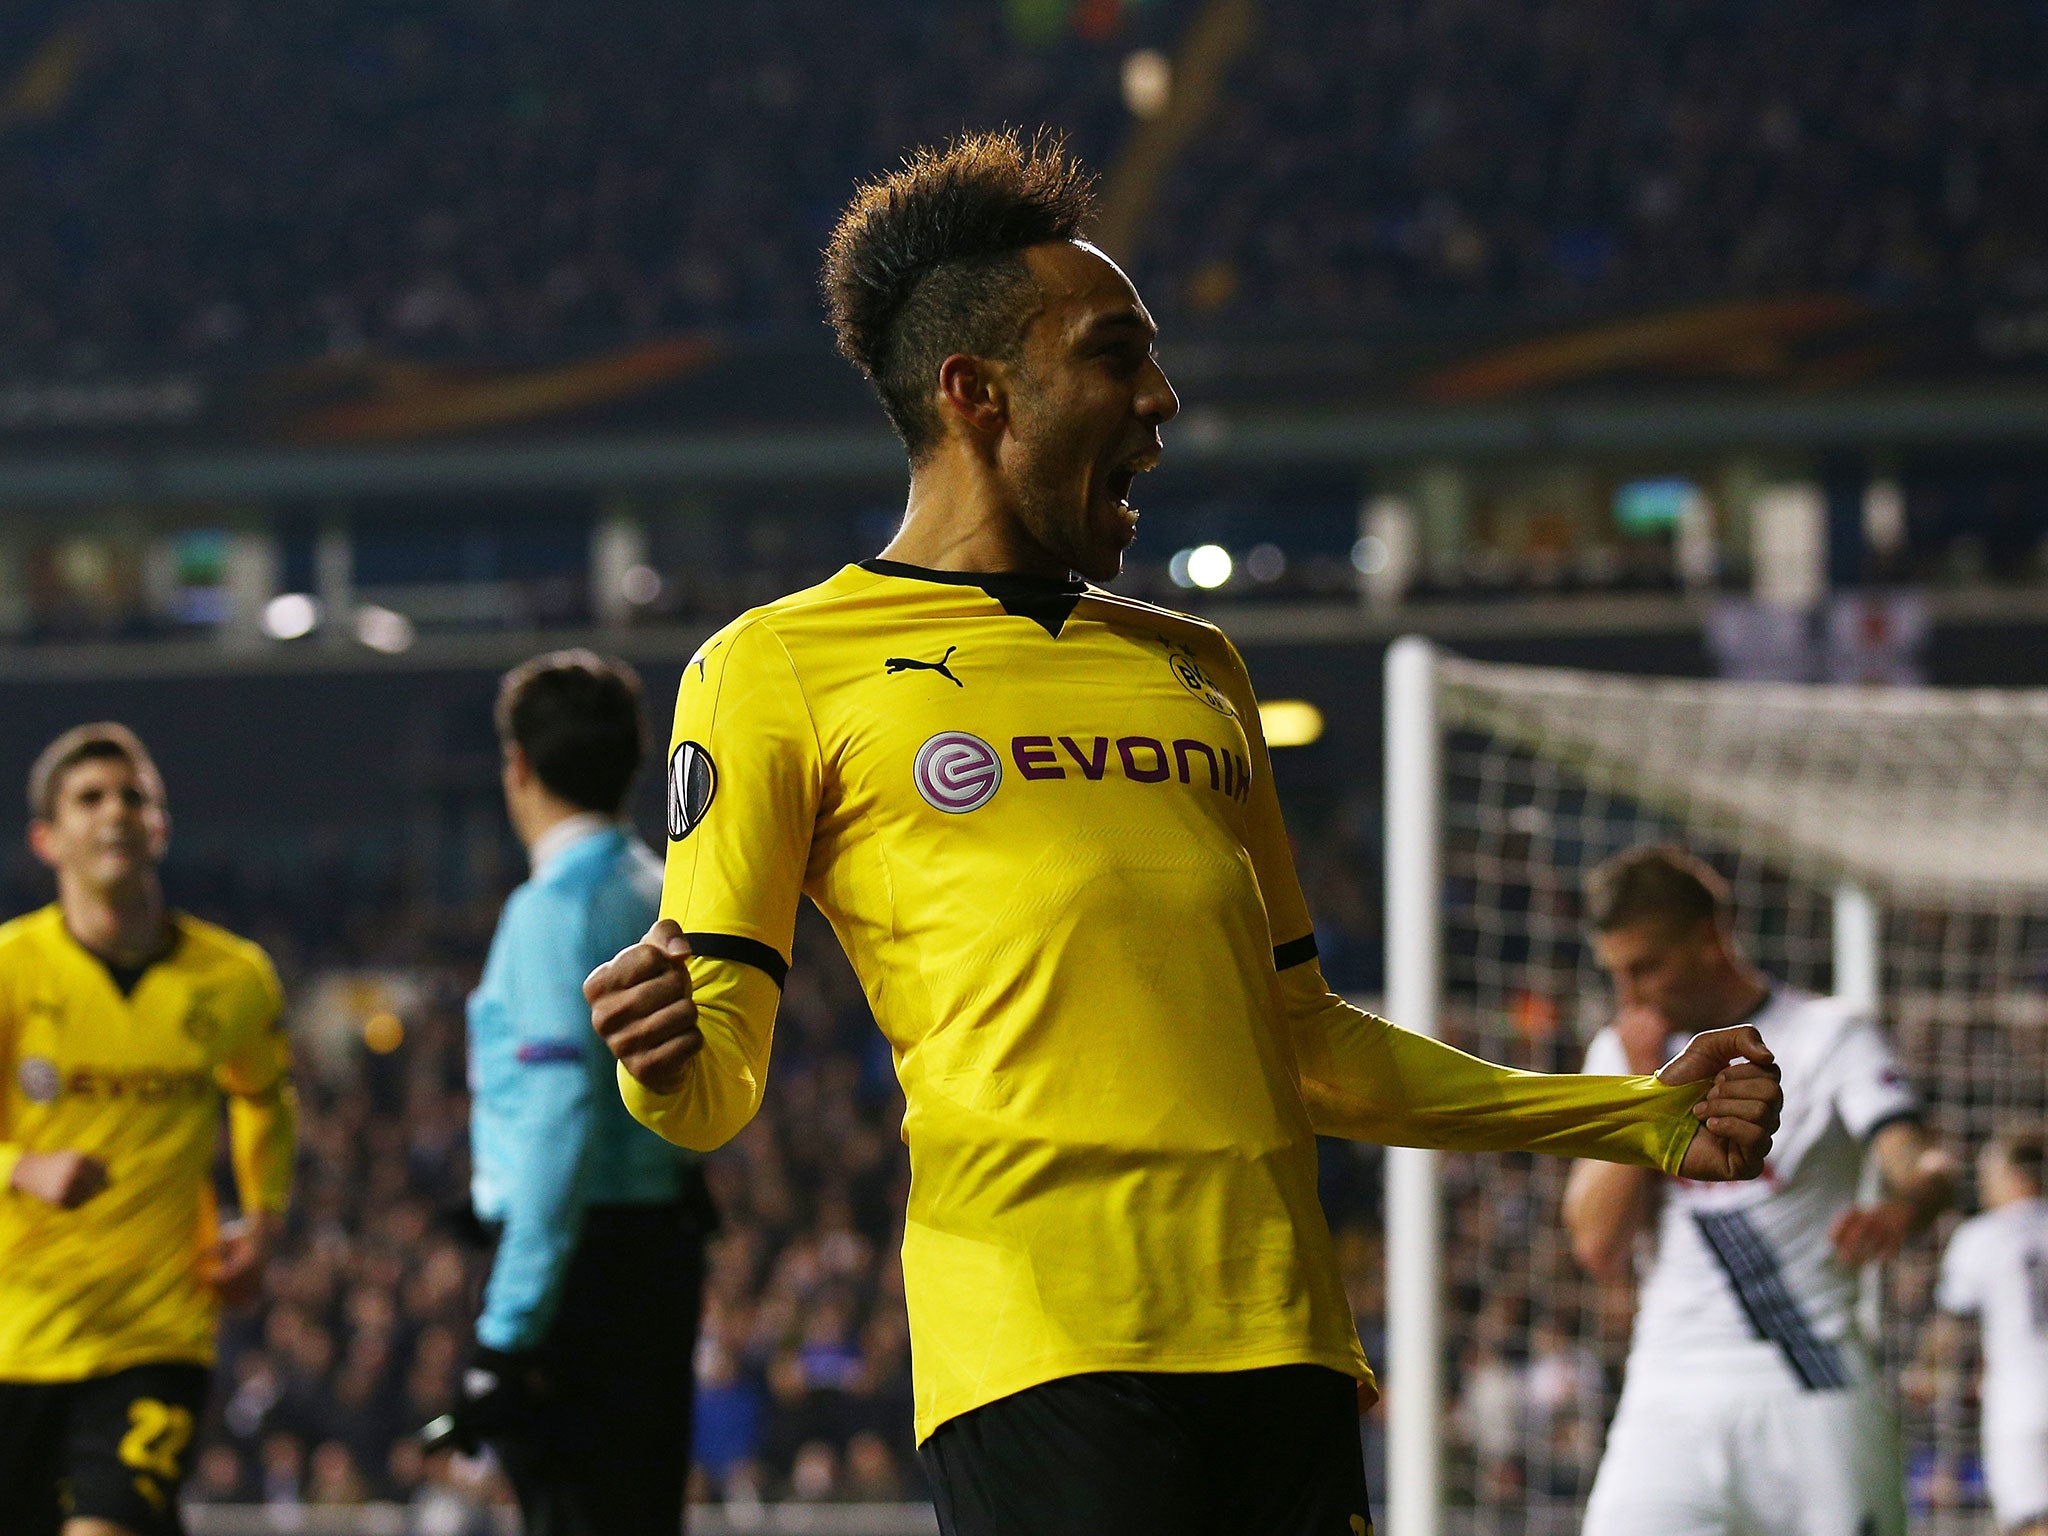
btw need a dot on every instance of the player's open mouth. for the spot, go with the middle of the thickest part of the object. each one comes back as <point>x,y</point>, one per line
<point>1117,484</point>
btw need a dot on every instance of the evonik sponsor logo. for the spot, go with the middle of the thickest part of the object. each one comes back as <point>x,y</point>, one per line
<point>43,1081</point>
<point>957,772</point>
<point>1140,759</point>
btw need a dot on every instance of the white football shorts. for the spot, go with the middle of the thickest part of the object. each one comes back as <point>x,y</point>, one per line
<point>1766,1460</point>
<point>2016,1475</point>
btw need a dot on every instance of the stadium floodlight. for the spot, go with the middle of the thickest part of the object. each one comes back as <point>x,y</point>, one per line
<point>1209,565</point>
<point>1290,722</point>
<point>640,585</point>
<point>1147,82</point>
<point>1888,845</point>
<point>1266,562</point>
<point>1370,555</point>
<point>291,616</point>
<point>382,629</point>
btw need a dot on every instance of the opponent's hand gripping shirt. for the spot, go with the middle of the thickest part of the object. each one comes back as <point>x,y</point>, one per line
<point>137,1081</point>
<point>1040,819</point>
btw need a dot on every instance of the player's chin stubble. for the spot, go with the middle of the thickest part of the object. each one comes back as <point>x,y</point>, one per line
<point>1060,526</point>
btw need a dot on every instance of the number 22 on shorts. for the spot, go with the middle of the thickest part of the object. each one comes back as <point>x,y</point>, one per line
<point>158,1433</point>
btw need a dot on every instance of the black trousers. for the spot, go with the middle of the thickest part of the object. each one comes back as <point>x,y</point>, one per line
<point>1127,1453</point>
<point>606,1450</point>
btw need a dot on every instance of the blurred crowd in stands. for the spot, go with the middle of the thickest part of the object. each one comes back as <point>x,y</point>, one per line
<point>204,176</point>
<point>1374,157</point>
<point>314,178</point>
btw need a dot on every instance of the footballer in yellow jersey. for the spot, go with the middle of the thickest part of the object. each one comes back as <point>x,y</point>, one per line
<point>123,1027</point>
<point>1041,820</point>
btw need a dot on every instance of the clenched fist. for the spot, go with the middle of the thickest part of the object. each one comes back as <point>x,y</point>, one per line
<point>1739,1115</point>
<point>640,1003</point>
<point>63,1179</point>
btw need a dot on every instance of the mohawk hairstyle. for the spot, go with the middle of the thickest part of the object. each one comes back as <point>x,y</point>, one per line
<point>929,260</point>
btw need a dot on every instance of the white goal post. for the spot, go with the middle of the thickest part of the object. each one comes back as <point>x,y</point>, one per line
<point>1890,845</point>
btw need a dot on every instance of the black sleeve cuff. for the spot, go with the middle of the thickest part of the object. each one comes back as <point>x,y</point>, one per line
<point>730,946</point>
<point>1294,952</point>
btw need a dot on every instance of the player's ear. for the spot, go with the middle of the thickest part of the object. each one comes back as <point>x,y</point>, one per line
<point>517,770</point>
<point>974,393</point>
<point>39,842</point>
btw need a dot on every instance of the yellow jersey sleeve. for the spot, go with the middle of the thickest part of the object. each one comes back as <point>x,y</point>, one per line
<point>736,1006</point>
<point>744,782</point>
<point>1364,1078</point>
<point>255,1074</point>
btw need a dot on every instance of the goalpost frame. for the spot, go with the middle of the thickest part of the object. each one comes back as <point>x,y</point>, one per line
<point>1414,962</point>
<point>1414,966</point>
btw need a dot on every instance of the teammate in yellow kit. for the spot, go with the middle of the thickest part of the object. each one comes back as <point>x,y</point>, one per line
<point>122,1025</point>
<point>1041,819</point>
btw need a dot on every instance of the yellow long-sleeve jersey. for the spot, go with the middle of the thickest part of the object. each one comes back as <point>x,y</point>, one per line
<point>134,1078</point>
<point>1041,819</point>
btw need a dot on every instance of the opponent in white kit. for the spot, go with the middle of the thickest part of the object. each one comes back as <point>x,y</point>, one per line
<point>1751,1406</point>
<point>1996,1268</point>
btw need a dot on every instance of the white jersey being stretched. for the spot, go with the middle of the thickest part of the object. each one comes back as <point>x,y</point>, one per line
<point>1996,1268</point>
<point>1745,1285</point>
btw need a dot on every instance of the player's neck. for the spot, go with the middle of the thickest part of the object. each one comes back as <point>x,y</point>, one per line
<point>537,812</point>
<point>127,924</point>
<point>956,521</point>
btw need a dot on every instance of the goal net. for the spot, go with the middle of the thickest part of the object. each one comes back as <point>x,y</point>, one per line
<point>1890,845</point>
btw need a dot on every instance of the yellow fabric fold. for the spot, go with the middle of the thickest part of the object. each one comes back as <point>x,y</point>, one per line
<point>1369,1080</point>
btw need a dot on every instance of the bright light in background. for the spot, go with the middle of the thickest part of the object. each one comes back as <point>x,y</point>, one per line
<point>383,1032</point>
<point>1206,565</point>
<point>290,616</point>
<point>640,585</point>
<point>1653,506</point>
<point>1266,562</point>
<point>1884,516</point>
<point>1370,555</point>
<point>1290,722</point>
<point>382,630</point>
<point>1148,82</point>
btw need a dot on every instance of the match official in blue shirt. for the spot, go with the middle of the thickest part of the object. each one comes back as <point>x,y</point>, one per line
<point>581,1376</point>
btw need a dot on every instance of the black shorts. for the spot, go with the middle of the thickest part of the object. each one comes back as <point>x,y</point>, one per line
<point>1126,1453</point>
<point>112,1447</point>
<point>606,1451</point>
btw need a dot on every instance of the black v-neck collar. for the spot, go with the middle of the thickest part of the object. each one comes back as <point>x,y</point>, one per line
<point>126,978</point>
<point>1045,600</point>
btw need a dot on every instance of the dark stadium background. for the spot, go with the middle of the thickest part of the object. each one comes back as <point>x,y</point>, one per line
<point>481,327</point>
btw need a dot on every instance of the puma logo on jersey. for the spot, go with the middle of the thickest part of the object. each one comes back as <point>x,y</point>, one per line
<point>895,664</point>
